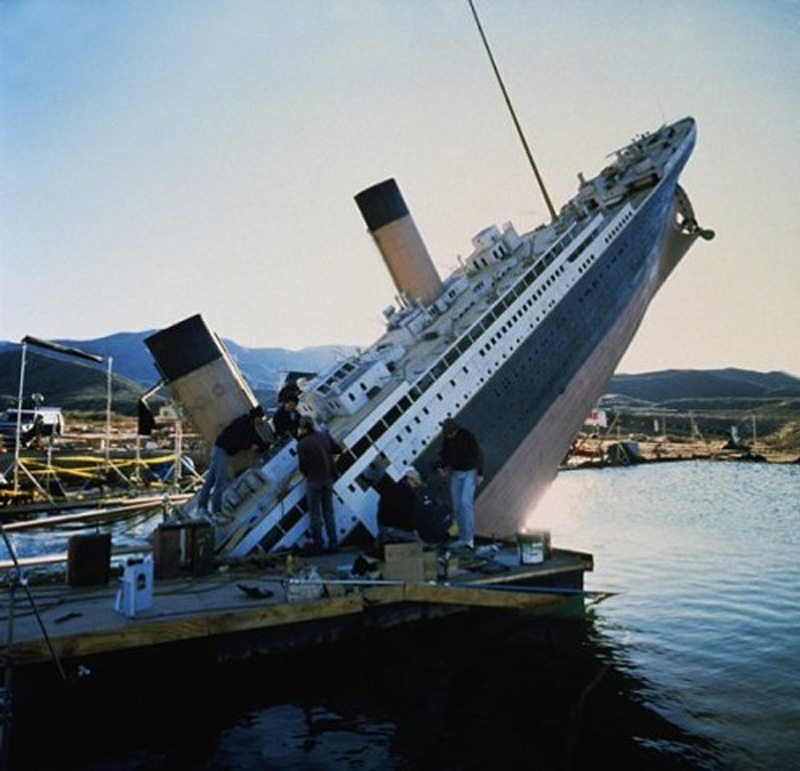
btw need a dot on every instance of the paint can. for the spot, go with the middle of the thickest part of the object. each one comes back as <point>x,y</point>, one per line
<point>533,547</point>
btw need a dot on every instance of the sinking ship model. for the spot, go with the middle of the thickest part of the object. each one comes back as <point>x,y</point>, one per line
<point>517,344</point>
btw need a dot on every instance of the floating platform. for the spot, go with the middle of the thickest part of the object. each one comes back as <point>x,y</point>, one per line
<point>284,603</point>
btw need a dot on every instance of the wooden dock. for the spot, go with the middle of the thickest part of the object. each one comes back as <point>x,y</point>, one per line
<point>281,604</point>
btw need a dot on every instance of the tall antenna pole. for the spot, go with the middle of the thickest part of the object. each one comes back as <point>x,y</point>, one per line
<point>18,440</point>
<point>109,384</point>
<point>514,116</point>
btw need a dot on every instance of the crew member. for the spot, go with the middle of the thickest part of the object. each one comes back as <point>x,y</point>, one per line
<point>315,455</point>
<point>397,508</point>
<point>286,418</point>
<point>240,434</point>
<point>462,459</point>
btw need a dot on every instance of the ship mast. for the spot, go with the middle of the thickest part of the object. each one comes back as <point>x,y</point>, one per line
<point>513,115</point>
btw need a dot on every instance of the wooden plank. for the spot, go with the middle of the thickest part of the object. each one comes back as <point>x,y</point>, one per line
<point>383,595</point>
<point>459,594</point>
<point>89,516</point>
<point>138,634</point>
<point>444,594</point>
<point>192,614</point>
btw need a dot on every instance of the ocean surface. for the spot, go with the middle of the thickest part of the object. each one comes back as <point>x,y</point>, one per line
<point>691,661</point>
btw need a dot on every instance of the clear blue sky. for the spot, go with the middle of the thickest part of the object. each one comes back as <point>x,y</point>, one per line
<point>165,158</point>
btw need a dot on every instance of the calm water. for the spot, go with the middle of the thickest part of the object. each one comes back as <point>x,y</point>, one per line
<point>706,557</point>
<point>692,663</point>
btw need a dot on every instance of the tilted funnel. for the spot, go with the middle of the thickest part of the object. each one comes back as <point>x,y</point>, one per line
<point>399,242</point>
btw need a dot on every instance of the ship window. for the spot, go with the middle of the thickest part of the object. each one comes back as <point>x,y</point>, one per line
<point>351,397</point>
<point>377,430</point>
<point>271,538</point>
<point>393,414</point>
<point>451,357</point>
<point>344,462</point>
<point>404,403</point>
<point>426,382</point>
<point>360,447</point>
<point>439,369</point>
<point>293,516</point>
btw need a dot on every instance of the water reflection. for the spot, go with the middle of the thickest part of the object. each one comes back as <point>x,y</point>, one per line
<point>496,689</point>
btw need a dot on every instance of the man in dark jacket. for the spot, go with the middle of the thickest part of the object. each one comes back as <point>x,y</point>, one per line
<point>397,508</point>
<point>315,455</point>
<point>461,457</point>
<point>240,434</point>
<point>286,418</point>
<point>406,512</point>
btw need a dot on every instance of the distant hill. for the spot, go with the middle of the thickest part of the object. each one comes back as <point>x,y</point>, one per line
<point>73,384</point>
<point>707,402</point>
<point>678,384</point>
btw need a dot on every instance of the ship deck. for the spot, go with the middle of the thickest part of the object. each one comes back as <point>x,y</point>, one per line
<point>244,610</point>
<point>471,304</point>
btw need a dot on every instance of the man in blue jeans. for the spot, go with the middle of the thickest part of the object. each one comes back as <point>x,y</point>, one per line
<point>461,457</point>
<point>315,451</point>
<point>240,434</point>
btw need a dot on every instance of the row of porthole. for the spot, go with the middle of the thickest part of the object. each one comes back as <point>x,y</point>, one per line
<point>624,221</point>
<point>506,327</point>
<point>417,419</point>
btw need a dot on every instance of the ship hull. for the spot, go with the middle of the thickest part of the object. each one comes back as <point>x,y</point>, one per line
<point>527,416</point>
<point>518,348</point>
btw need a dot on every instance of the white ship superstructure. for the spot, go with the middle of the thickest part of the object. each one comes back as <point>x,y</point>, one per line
<point>517,344</point>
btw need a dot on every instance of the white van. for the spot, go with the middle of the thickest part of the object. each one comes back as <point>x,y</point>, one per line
<point>50,418</point>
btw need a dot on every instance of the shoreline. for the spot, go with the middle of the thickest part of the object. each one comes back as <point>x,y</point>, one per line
<point>602,452</point>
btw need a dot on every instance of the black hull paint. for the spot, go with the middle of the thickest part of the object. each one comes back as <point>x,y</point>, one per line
<point>518,395</point>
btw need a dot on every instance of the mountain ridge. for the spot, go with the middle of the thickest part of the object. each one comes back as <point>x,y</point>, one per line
<point>79,386</point>
<point>133,370</point>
